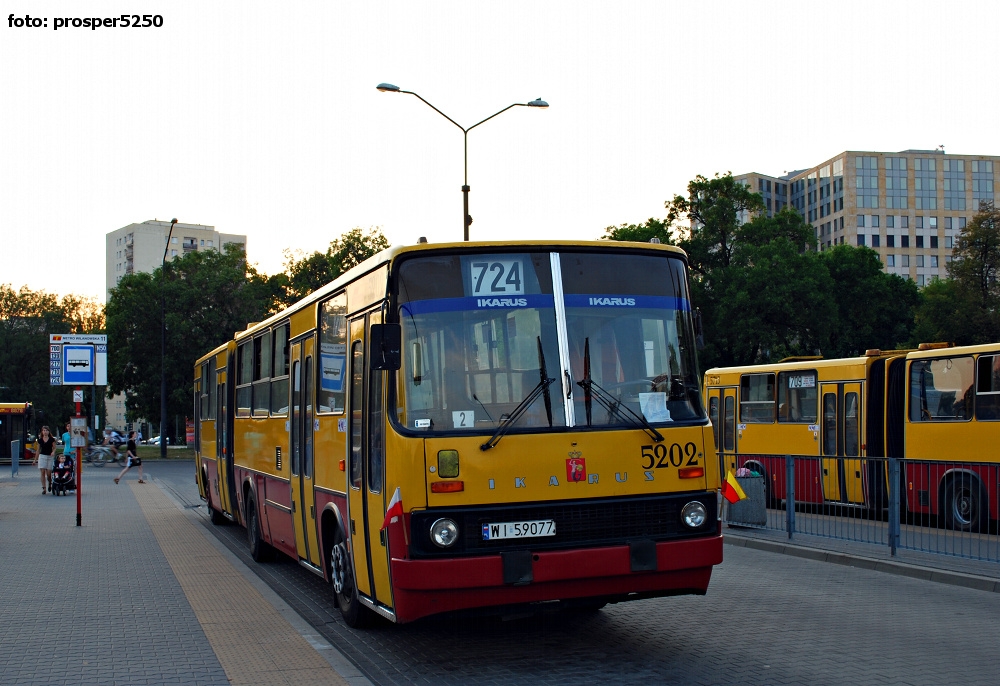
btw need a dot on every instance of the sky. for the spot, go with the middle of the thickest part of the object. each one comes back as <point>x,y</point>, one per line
<point>263,118</point>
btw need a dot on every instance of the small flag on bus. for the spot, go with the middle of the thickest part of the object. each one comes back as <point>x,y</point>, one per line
<point>395,509</point>
<point>731,489</point>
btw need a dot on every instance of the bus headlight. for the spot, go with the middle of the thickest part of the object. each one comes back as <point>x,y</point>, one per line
<point>444,533</point>
<point>693,514</point>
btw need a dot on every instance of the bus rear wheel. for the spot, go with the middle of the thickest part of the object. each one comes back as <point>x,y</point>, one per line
<point>964,504</point>
<point>344,588</point>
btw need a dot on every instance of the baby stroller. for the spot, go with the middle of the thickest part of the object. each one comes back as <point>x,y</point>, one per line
<point>63,475</point>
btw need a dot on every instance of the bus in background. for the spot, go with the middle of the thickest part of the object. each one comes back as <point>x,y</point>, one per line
<point>15,425</point>
<point>459,426</point>
<point>938,405</point>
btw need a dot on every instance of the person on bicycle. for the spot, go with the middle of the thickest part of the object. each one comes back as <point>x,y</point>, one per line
<point>108,433</point>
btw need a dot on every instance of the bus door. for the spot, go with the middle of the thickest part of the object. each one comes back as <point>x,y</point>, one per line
<point>300,442</point>
<point>840,444</point>
<point>722,410</point>
<point>223,446</point>
<point>367,499</point>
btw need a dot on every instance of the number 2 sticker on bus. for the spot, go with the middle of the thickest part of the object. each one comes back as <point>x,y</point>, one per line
<point>463,419</point>
<point>497,277</point>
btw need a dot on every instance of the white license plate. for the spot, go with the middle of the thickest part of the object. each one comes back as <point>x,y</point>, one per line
<point>529,529</point>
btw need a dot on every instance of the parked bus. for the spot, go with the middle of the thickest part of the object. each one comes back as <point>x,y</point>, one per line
<point>15,425</point>
<point>459,426</point>
<point>938,404</point>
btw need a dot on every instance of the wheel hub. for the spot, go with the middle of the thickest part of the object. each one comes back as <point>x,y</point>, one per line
<point>339,558</point>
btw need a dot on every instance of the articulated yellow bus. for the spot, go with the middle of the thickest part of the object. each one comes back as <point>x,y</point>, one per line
<point>938,407</point>
<point>464,425</point>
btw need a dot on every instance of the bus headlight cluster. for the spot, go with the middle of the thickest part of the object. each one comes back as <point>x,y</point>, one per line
<point>444,532</point>
<point>693,514</point>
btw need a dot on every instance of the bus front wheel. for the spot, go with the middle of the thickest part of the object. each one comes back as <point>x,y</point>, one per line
<point>964,504</point>
<point>344,587</point>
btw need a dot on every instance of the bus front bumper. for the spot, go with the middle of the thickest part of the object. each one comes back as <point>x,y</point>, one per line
<point>426,587</point>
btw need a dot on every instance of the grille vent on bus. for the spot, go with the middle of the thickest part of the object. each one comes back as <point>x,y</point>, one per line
<point>612,521</point>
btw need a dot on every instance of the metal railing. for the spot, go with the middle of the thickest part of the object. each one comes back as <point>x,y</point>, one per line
<point>941,507</point>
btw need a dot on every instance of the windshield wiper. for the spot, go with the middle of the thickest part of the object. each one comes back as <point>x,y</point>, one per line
<point>616,408</point>
<point>541,388</point>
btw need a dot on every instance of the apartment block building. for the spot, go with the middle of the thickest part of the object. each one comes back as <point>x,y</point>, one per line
<point>140,248</point>
<point>908,206</point>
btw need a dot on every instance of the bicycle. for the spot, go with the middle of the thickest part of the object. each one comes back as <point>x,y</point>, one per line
<point>99,455</point>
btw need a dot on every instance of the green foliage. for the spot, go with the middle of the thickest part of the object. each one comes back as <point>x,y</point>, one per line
<point>715,208</point>
<point>305,274</point>
<point>641,233</point>
<point>206,297</point>
<point>975,268</point>
<point>27,318</point>
<point>874,309</point>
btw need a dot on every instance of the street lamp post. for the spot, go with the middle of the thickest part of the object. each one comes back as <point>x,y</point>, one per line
<point>163,344</point>
<point>466,218</point>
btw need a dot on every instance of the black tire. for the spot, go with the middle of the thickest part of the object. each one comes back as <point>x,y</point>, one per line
<point>216,517</point>
<point>965,505</point>
<point>344,588</point>
<point>258,549</point>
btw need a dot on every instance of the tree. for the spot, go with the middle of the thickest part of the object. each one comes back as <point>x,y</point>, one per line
<point>305,274</point>
<point>27,318</point>
<point>207,295</point>
<point>975,268</point>
<point>642,233</point>
<point>717,209</point>
<point>874,309</point>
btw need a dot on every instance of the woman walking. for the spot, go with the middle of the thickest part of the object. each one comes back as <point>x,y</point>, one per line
<point>44,455</point>
<point>131,459</point>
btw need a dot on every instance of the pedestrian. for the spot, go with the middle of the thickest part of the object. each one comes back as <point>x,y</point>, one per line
<point>45,446</point>
<point>131,458</point>
<point>67,439</point>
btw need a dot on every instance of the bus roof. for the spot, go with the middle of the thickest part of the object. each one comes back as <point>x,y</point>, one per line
<point>14,408</point>
<point>854,366</point>
<point>951,351</point>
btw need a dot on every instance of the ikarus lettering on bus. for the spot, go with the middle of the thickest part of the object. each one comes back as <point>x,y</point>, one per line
<point>501,302</point>
<point>613,302</point>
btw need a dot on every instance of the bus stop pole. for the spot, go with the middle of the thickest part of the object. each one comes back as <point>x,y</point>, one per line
<point>79,465</point>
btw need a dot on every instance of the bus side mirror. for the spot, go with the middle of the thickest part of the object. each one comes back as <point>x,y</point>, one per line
<point>386,341</point>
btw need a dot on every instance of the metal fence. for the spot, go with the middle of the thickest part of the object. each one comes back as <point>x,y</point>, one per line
<point>941,507</point>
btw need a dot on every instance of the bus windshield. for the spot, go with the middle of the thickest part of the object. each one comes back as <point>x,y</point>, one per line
<point>483,332</point>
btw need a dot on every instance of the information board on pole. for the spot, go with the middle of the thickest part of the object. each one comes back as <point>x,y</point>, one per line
<point>78,359</point>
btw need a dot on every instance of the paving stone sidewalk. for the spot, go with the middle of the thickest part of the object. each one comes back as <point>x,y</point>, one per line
<point>110,602</point>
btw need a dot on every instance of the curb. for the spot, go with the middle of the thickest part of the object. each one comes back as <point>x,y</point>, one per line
<point>973,581</point>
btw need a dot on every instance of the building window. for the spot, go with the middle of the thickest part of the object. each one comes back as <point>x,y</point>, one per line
<point>920,222</point>
<point>904,260</point>
<point>947,222</point>
<point>933,222</point>
<point>904,241</point>
<point>920,260</point>
<point>890,221</point>
<point>890,260</point>
<point>875,241</point>
<point>934,260</point>
<point>961,222</point>
<point>920,241</point>
<point>948,243</point>
<point>861,219</point>
<point>904,222</point>
<point>874,221</point>
<point>861,239</point>
<point>934,242</point>
<point>890,241</point>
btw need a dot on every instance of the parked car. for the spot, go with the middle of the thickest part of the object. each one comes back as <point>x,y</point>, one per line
<point>155,440</point>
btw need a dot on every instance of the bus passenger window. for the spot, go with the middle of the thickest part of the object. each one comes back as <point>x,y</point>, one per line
<point>797,397</point>
<point>757,398</point>
<point>988,388</point>
<point>851,425</point>
<point>829,423</point>
<point>729,425</point>
<point>713,414</point>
